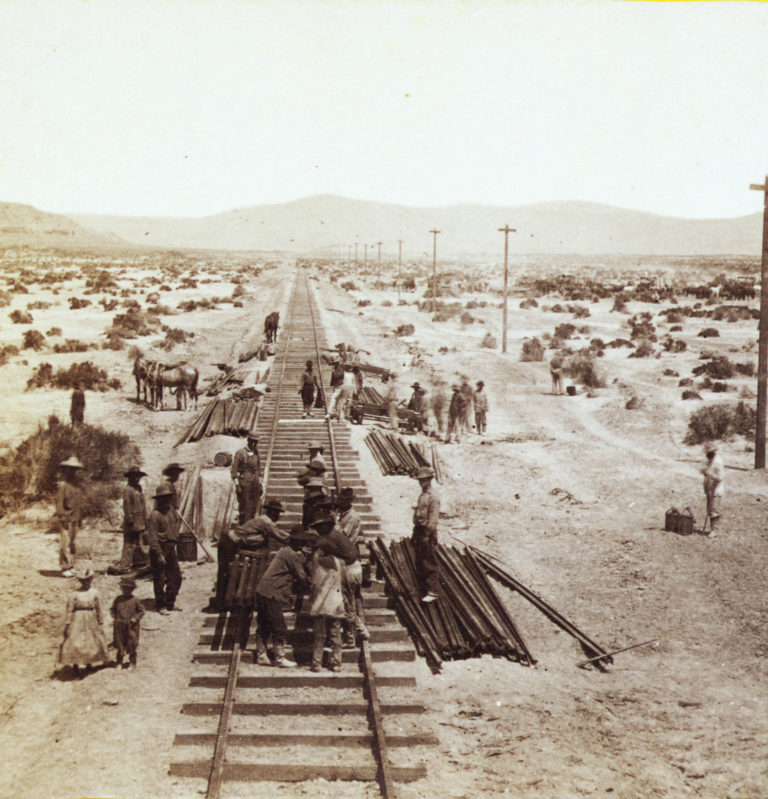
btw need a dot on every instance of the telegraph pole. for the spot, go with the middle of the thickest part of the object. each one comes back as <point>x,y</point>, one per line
<point>506,230</point>
<point>355,260</point>
<point>434,262</point>
<point>379,266</point>
<point>365,260</point>
<point>399,265</point>
<point>762,347</point>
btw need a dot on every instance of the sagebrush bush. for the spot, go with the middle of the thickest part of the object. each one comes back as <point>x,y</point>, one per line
<point>489,342</point>
<point>133,323</point>
<point>719,368</point>
<point>710,332</point>
<point>644,349</point>
<point>405,330</point>
<point>30,472</point>
<point>564,331</point>
<point>467,318</point>
<point>714,422</point>
<point>83,374</point>
<point>75,303</point>
<point>581,368</point>
<point>532,350</point>
<point>54,331</point>
<point>21,317</point>
<point>33,340</point>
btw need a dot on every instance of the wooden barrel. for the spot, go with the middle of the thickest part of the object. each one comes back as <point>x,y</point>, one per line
<point>187,547</point>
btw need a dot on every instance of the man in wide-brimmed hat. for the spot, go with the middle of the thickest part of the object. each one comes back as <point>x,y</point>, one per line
<point>481,407</point>
<point>456,410</point>
<point>246,474</point>
<point>424,536</point>
<point>288,569</point>
<point>134,524</point>
<point>352,579</point>
<point>172,472</point>
<point>163,537</point>
<point>69,503</point>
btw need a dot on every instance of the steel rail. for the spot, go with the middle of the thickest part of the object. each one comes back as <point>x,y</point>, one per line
<point>380,749</point>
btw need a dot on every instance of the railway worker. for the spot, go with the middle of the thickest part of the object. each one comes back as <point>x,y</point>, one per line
<point>172,472</point>
<point>556,372</point>
<point>352,582</point>
<point>357,375</point>
<point>163,537</point>
<point>391,399</point>
<point>455,415</point>
<point>307,389</point>
<point>77,406</point>
<point>326,595</point>
<point>288,569</point>
<point>337,383</point>
<point>414,396</point>
<point>69,504</point>
<point>246,474</point>
<point>481,407</point>
<point>468,394</point>
<point>714,472</point>
<point>316,449</point>
<point>134,524</point>
<point>314,492</point>
<point>259,534</point>
<point>420,406</point>
<point>424,538</point>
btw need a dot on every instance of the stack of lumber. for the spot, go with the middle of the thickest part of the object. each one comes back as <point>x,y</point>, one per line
<point>223,417</point>
<point>396,455</point>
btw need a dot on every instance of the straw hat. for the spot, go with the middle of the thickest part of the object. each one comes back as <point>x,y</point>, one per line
<point>163,490</point>
<point>72,463</point>
<point>347,493</point>
<point>315,445</point>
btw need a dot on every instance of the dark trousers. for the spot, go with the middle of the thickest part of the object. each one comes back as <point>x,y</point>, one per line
<point>270,620</point>
<point>166,579</point>
<point>132,556</point>
<point>248,495</point>
<point>226,552</point>
<point>425,546</point>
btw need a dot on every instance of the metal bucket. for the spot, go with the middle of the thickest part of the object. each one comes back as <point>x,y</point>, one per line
<point>685,522</point>
<point>187,547</point>
<point>671,520</point>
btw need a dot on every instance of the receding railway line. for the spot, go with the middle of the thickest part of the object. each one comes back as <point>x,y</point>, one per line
<point>250,723</point>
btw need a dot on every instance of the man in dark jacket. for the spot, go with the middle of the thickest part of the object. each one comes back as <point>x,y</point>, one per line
<point>273,593</point>
<point>246,474</point>
<point>163,537</point>
<point>134,524</point>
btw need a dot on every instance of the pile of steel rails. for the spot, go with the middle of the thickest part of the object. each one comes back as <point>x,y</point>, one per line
<point>469,618</point>
<point>223,417</point>
<point>233,376</point>
<point>244,572</point>
<point>369,396</point>
<point>395,455</point>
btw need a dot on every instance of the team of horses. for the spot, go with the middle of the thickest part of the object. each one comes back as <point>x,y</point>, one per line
<point>152,377</point>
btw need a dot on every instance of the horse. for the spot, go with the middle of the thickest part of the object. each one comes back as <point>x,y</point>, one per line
<point>271,323</point>
<point>181,377</point>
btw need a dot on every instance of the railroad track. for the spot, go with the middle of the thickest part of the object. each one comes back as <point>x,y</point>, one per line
<point>249,723</point>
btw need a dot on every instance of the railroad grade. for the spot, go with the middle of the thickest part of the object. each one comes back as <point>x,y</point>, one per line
<point>250,723</point>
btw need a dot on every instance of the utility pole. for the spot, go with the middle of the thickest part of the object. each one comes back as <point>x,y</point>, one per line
<point>379,266</point>
<point>434,262</point>
<point>399,265</point>
<point>355,260</point>
<point>365,260</point>
<point>506,230</point>
<point>762,341</point>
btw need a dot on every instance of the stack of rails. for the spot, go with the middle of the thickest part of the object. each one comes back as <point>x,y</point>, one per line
<point>229,375</point>
<point>395,455</point>
<point>369,396</point>
<point>223,417</point>
<point>468,620</point>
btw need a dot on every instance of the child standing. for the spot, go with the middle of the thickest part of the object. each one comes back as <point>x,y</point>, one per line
<point>127,613</point>
<point>84,641</point>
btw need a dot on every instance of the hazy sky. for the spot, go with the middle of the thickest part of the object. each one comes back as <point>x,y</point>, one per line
<point>192,107</point>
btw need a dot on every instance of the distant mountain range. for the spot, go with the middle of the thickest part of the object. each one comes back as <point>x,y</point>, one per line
<point>320,223</point>
<point>23,225</point>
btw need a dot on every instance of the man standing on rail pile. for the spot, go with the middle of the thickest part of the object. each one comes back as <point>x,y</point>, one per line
<point>424,536</point>
<point>246,474</point>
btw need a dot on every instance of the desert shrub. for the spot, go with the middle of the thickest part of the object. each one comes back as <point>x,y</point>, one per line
<point>363,303</point>
<point>674,317</point>
<point>471,305</point>
<point>131,304</point>
<point>188,283</point>
<point>489,342</point>
<point>467,318</point>
<point>38,305</point>
<point>532,350</point>
<point>19,288</point>
<point>430,305</point>
<point>674,344</point>
<point>7,351</point>
<point>597,344</point>
<point>747,368</point>
<point>76,303</point>
<point>731,313</point>
<point>676,329</point>
<point>642,327</point>
<point>29,473</point>
<point>691,395</point>
<point>108,304</point>
<point>620,342</point>
<point>581,311</point>
<point>671,373</point>
<point>564,331</point>
<point>529,303</point>
<point>348,285</point>
<point>718,421</point>
<point>33,340</point>
<point>83,374</point>
<point>706,383</point>
<point>54,331</point>
<point>685,381</point>
<point>72,345</point>
<point>5,298</point>
<point>237,304</point>
<point>709,332</point>
<point>387,304</point>
<point>718,387</point>
<point>174,336</point>
<point>238,291</point>
<point>133,323</point>
<point>581,368</point>
<point>405,330</point>
<point>619,304</point>
<point>644,349</point>
<point>21,317</point>
<point>719,368</point>
<point>557,308</point>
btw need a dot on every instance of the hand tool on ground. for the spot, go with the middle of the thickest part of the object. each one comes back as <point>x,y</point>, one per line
<point>615,652</point>
<point>202,543</point>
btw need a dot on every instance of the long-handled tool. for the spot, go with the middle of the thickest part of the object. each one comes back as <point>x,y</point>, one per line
<point>615,652</point>
<point>208,555</point>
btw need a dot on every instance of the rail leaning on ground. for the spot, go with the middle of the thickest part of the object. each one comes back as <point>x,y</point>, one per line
<point>350,738</point>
